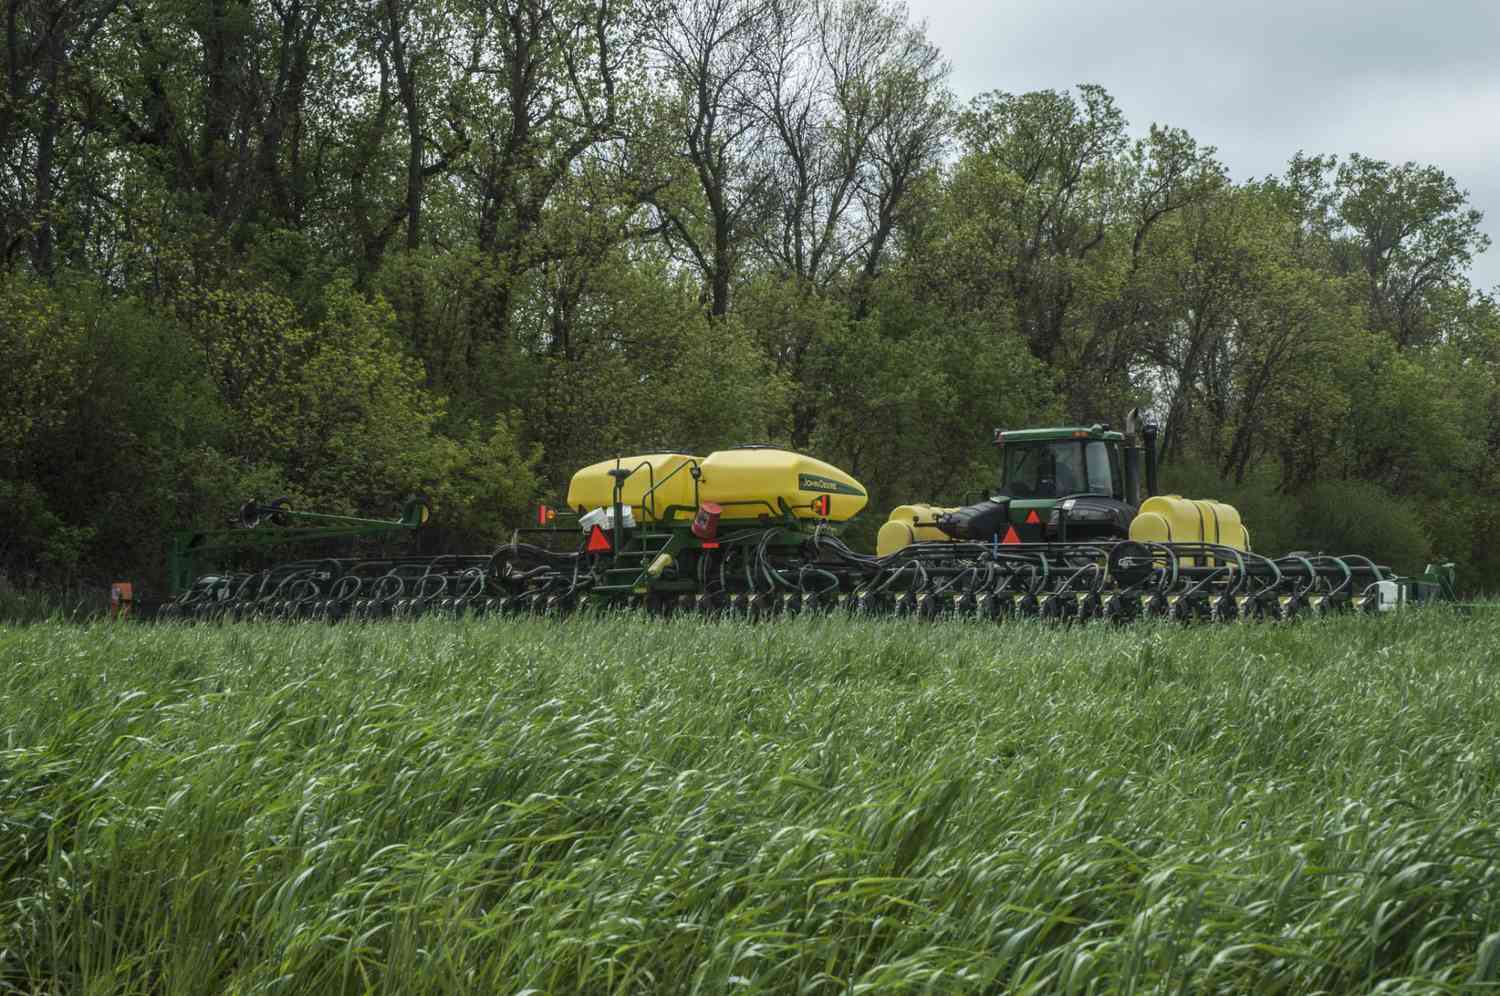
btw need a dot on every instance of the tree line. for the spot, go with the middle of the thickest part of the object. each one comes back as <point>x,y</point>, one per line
<point>345,251</point>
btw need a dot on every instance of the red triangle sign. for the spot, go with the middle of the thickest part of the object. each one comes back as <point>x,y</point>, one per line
<point>1032,519</point>
<point>598,541</point>
<point>1011,536</point>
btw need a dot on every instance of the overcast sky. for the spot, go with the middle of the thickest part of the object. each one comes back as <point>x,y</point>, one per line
<point>1393,79</point>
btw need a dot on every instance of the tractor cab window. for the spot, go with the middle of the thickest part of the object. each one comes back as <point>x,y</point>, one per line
<point>1100,478</point>
<point>1057,468</point>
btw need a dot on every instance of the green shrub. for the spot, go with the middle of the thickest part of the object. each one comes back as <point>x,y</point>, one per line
<point>1335,517</point>
<point>34,605</point>
<point>1355,517</point>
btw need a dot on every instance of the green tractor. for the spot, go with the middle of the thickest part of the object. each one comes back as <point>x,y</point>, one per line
<point>1076,482</point>
<point>1073,483</point>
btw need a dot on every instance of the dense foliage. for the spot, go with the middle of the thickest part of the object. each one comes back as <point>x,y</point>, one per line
<point>815,805</point>
<point>342,252</point>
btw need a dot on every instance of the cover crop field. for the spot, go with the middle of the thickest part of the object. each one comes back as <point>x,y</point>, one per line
<point>812,805</point>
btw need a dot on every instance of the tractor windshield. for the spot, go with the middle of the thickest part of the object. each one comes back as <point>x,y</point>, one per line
<point>1060,467</point>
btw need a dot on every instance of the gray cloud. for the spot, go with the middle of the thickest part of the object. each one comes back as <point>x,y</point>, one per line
<point>1393,79</point>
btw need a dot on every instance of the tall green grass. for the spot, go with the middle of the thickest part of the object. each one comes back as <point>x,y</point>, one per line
<point>820,806</point>
<point>18,606</point>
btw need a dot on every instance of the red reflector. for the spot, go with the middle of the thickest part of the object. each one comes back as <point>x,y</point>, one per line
<point>544,515</point>
<point>706,522</point>
<point>711,546</point>
<point>1032,519</point>
<point>820,505</point>
<point>598,541</point>
<point>1011,536</point>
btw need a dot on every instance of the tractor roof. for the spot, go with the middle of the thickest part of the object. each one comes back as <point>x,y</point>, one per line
<point>1060,432</point>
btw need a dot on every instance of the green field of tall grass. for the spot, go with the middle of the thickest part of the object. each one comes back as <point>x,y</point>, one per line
<point>625,805</point>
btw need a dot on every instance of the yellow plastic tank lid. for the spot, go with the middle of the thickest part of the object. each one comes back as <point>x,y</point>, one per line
<point>754,480</point>
<point>671,474</point>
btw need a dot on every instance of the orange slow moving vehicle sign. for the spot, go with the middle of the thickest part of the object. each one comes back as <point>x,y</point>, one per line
<point>121,596</point>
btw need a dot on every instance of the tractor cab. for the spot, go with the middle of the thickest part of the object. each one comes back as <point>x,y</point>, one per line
<point>1073,482</point>
<point>1057,463</point>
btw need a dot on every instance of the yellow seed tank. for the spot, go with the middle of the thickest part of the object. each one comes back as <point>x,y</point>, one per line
<point>746,483</point>
<point>908,524</point>
<point>754,480</point>
<point>669,473</point>
<point>1175,519</point>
